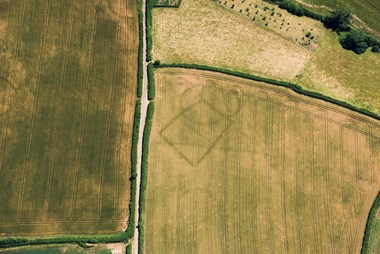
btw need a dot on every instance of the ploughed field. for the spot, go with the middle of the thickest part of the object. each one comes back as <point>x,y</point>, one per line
<point>67,93</point>
<point>238,166</point>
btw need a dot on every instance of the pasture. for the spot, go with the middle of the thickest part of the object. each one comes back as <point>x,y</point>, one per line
<point>68,80</point>
<point>367,12</point>
<point>238,166</point>
<point>209,32</point>
<point>203,32</point>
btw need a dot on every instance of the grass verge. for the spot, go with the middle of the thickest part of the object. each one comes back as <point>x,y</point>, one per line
<point>141,51</point>
<point>144,173</point>
<point>149,24</point>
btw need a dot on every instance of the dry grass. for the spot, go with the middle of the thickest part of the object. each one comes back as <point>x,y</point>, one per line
<point>343,74</point>
<point>67,94</point>
<point>203,32</point>
<point>238,166</point>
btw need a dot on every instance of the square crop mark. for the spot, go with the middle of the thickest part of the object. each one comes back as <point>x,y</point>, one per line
<point>195,131</point>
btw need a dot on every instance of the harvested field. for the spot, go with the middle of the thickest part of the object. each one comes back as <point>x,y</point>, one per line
<point>67,96</point>
<point>238,166</point>
<point>202,32</point>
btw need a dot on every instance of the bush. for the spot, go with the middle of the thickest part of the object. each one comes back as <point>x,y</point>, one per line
<point>151,83</point>
<point>298,10</point>
<point>375,49</point>
<point>370,221</point>
<point>339,21</point>
<point>354,40</point>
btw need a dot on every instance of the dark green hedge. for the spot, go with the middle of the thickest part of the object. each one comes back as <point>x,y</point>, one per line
<point>370,222</point>
<point>296,88</point>
<point>151,83</point>
<point>168,6</point>
<point>80,240</point>
<point>140,70</point>
<point>129,249</point>
<point>149,24</point>
<point>135,139</point>
<point>144,173</point>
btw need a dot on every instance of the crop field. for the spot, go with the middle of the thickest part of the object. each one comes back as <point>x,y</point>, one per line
<point>209,32</point>
<point>238,166</point>
<point>67,96</point>
<point>203,32</point>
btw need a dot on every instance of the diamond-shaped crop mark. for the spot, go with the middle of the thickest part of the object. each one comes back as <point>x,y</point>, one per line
<point>195,131</point>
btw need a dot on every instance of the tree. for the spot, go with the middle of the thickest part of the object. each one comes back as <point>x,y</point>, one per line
<point>339,20</point>
<point>356,41</point>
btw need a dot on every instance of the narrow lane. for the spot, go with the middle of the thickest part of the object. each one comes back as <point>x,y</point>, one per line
<point>144,106</point>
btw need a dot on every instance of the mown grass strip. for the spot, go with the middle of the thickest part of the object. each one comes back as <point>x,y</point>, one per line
<point>296,88</point>
<point>135,139</point>
<point>81,240</point>
<point>151,83</point>
<point>168,6</point>
<point>370,225</point>
<point>129,249</point>
<point>144,173</point>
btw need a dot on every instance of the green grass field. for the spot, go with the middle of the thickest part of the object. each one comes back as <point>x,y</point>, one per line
<point>367,10</point>
<point>239,166</point>
<point>67,94</point>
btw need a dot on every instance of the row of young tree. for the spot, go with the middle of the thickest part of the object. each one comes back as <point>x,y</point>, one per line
<point>340,22</point>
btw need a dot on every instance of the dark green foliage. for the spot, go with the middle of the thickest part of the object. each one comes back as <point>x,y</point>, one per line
<point>299,10</point>
<point>80,240</point>
<point>129,249</point>
<point>354,40</point>
<point>151,83</point>
<point>140,71</point>
<point>135,139</point>
<point>144,173</point>
<point>375,49</point>
<point>156,63</point>
<point>296,88</point>
<point>149,25</point>
<point>370,224</point>
<point>339,20</point>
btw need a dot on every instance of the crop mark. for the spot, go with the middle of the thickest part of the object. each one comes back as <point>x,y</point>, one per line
<point>100,202</point>
<point>73,217</point>
<point>58,117</point>
<point>46,24</point>
<point>21,21</point>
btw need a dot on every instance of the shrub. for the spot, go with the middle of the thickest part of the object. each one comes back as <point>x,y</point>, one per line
<point>339,21</point>
<point>375,49</point>
<point>354,40</point>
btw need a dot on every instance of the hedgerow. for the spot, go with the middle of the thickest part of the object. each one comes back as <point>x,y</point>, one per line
<point>135,139</point>
<point>151,83</point>
<point>149,24</point>
<point>80,240</point>
<point>140,70</point>
<point>129,249</point>
<point>370,223</point>
<point>144,173</point>
<point>296,88</point>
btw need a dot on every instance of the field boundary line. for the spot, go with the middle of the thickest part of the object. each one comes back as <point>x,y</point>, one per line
<point>73,217</point>
<point>58,117</point>
<point>41,60</point>
<point>294,87</point>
